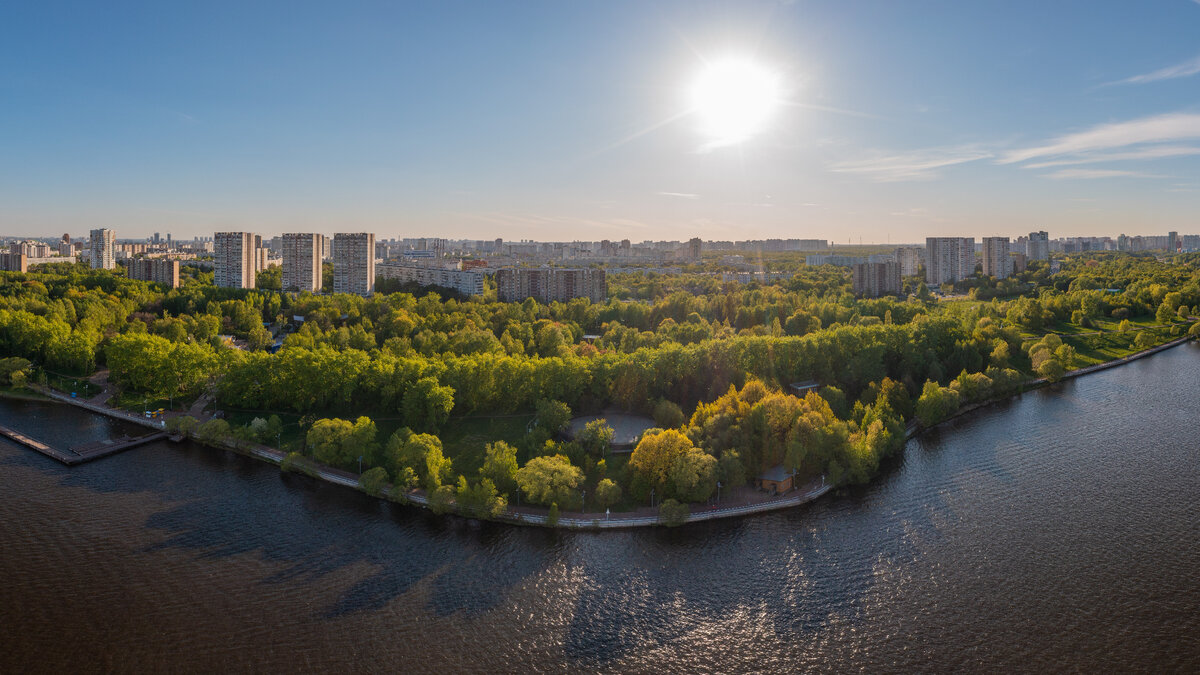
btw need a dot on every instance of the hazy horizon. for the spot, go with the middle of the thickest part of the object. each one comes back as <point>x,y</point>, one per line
<point>879,121</point>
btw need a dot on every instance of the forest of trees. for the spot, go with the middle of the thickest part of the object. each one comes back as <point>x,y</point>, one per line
<point>708,360</point>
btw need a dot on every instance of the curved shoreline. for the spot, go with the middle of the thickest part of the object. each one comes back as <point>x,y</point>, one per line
<point>598,521</point>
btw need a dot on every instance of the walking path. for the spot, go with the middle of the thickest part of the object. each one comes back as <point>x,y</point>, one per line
<point>525,515</point>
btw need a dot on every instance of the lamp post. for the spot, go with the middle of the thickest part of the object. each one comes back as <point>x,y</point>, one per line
<point>360,465</point>
<point>718,491</point>
<point>583,504</point>
<point>651,497</point>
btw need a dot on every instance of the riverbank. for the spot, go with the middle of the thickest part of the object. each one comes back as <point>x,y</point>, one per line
<point>21,395</point>
<point>573,520</point>
<point>914,428</point>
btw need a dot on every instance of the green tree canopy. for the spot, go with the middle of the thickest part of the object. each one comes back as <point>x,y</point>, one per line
<point>551,480</point>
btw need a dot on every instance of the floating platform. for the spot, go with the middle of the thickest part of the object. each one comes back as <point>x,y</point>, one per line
<point>82,453</point>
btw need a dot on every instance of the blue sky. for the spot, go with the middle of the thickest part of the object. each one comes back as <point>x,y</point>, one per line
<point>570,120</point>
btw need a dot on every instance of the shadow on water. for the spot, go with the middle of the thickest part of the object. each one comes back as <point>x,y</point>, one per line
<point>312,528</point>
<point>315,530</point>
<point>639,588</point>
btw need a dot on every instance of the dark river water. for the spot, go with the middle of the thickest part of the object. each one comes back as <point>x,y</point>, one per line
<point>1057,531</point>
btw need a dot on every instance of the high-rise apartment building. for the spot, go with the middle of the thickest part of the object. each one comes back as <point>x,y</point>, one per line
<point>302,262</point>
<point>548,285</point>
<point>909,259</point>
<point>234,254</point>
<point>354,263</point>
<point>948,259</point>
<point>873,279</point>
<point>1172,242</point>
<point>1038,247</point>
<point>104,249</point>
<point>996,259</point>
<point>158,270</point>
<point>14,262</point>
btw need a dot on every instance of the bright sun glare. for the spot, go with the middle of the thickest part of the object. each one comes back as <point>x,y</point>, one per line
<point>734,98</point>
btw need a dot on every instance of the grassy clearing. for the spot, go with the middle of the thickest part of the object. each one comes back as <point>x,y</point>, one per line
<point>464,438</point>
<point>138,403</point>
<point>1094,349</point>
<point>80,385</point>
<point>21,394</point>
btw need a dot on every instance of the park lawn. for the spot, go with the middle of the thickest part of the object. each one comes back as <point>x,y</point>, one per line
<point>960,304</point>
<point>464,438</point>
<point>135,402</point>
<point>66,384</point>
<point>1093,349</point>
<point>21,393</point>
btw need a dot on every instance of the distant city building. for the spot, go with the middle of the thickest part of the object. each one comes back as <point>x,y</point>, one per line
<point>1038,247</point>
<point>694,247</point>
<point>996,259</point>
<point>14,262</point>
<point>1172,242</point>
<point>548,285</point>
<point>468,282</point>
<point>159,270</point>
<point>235,257</point>
<point>909,259</point>
<point>354,263</point>
<point>873,279</point>
<point>748,277</point>
<point>301,262</point>
<point>838,260</point>
<point>1020,262</point>
<point>948,259</point>
<point>64,246</point>
<point>103,244</point>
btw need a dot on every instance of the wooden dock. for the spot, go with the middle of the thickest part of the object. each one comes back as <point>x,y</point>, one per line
<point>82,453</point>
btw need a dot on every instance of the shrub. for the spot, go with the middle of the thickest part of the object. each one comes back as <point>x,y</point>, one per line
<point>372,481</point>
<point>672,514</point>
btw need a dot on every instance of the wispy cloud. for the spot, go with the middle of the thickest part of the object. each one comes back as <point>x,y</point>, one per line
<point>681,195</point>
<point>912,166</point>
<point>1157,129</point>
<point>1151,152</point>
<point>1185,69</point>
<point>1068,174</point>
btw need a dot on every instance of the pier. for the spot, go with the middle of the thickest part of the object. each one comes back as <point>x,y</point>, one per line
<point>82,453</point>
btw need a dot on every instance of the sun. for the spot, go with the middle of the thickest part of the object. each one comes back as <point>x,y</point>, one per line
<point>733,99</point>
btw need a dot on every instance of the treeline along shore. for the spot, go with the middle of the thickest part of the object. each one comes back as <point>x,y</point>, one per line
<point>464,405</point>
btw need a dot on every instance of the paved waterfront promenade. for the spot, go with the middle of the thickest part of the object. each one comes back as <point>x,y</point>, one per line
<point>641,518</point>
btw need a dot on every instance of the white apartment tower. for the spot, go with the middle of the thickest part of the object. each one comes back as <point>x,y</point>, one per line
<point>996,259</point>
<point>948,259</point>
<point>909,259</point>
<point>104,249</point>
<point>235,256</point>
<point>1038,247</point>
<point>302,262</point>
<point>354,263</point>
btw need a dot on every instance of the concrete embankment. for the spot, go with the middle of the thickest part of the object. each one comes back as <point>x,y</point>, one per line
<point>600,521</point>
<point>914,428</point>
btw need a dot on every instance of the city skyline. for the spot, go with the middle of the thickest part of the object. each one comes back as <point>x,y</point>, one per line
<point>535,122</point>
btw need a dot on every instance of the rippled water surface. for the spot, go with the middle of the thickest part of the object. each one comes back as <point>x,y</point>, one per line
<point>1060,530</point>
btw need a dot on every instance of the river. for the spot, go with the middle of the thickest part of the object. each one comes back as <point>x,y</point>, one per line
<point>1056,531</point>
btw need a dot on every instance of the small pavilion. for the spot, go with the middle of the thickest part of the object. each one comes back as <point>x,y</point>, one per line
<point>777,479</point>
